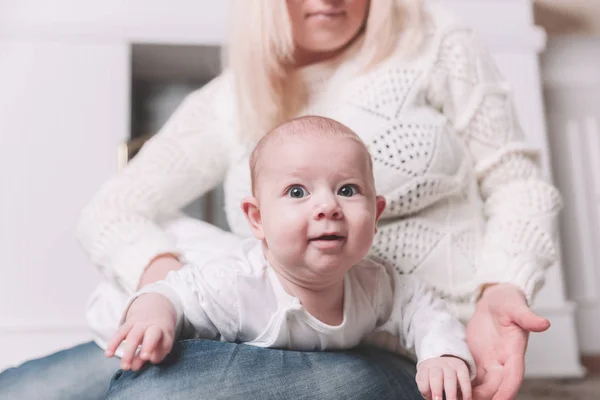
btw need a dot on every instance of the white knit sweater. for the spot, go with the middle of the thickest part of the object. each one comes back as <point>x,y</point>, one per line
<point>466,201</point>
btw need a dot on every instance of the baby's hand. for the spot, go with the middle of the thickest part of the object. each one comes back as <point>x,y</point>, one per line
<point>150,322</point>
<point>436,376</point>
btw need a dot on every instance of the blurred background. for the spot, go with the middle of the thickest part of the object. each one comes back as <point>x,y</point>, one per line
<point>83,82</point>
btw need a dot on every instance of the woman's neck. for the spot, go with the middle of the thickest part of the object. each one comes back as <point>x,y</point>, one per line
<point>304,57</point>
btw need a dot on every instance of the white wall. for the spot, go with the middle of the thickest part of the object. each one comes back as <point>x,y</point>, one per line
<point>64,107</point>
<point>153,21</point>
<point>59,125</point>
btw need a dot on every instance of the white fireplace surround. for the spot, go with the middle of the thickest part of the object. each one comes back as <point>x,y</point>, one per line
<point>571,75</point>
<point>69,56</point>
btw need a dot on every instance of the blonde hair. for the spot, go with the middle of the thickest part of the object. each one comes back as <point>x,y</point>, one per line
<point>305,126</point>
<point>261,47</point>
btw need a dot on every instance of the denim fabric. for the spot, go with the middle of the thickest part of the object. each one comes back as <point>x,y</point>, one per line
<point>201,369</point>
<point>78,373</point>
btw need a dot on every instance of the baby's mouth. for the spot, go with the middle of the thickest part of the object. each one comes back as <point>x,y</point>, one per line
<point>327,238</point>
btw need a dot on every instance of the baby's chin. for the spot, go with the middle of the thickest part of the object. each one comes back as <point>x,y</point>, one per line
<point>328,265</point>
<point>313,266</point>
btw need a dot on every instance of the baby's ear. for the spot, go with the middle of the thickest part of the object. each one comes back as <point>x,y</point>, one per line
<point>252,213</point>
<point>380,206</point>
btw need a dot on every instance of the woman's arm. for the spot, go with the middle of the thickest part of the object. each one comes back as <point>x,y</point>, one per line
<point>119,227</point>
<point>158,269</point>
<point>520,209</point>
<point>520,206</point>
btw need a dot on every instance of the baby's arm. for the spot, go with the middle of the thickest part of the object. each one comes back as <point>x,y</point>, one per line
<point>438,339</point>
<point>150,322</point>
<point>200,300</point>
<point>444,375</point>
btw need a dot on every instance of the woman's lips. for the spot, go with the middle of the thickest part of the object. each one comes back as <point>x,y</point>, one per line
<point>326,15</point>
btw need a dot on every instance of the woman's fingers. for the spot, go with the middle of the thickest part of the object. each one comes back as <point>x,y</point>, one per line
<point>527,320</point>
<point>116,339</point>
<point>489,385</point>
<point>514,370</point>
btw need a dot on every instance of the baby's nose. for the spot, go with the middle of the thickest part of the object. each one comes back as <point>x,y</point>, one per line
<point>329,210</point>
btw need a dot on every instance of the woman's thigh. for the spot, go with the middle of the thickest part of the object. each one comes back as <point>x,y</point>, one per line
<point>202,369</point>
<point>81,372</point>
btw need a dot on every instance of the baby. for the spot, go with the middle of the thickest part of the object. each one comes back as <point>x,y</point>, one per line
<point>307,283</point>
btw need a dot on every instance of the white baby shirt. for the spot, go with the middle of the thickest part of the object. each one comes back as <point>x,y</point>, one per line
<point>240,299</point>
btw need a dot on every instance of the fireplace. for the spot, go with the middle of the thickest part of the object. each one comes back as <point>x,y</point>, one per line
<point>162,76</point>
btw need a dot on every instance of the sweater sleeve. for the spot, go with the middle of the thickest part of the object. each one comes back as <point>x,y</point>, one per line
<point>520,207</point>
<point>186,158</point>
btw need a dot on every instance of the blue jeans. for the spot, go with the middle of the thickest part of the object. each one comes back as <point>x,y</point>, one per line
<point>198,369</point>
<point>81,372</point>
<point>203,369</point>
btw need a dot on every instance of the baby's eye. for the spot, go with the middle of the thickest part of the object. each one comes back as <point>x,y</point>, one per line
<point>297,192</point>
<point>348,190</point>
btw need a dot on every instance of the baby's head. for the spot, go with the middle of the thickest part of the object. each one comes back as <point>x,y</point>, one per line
<point>314,203</point>
<point>309,130</point>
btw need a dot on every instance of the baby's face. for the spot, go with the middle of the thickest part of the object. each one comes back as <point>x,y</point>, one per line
<point>317,203</point>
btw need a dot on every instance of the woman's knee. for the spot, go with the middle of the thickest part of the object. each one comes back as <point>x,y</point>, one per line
<point>81,372</point>
<point>205,369</point>
<point>363,373</point>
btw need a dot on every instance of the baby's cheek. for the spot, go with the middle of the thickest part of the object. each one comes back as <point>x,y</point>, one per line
<point>364,217</point>
<point>366,224</point>
<point>286,225</point>
<point>288,237</point>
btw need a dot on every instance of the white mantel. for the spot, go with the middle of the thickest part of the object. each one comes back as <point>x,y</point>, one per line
<point>65,74</point>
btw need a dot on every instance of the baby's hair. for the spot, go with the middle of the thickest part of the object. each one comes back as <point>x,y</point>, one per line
<point>302,126</point>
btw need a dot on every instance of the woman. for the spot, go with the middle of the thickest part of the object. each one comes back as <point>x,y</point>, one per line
<point>467,208</point>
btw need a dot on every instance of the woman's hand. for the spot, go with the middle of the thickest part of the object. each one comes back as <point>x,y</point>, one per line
<point>150,322</point>
<point>158,269</point>
<point>497,336</point>
<point>449,375</point>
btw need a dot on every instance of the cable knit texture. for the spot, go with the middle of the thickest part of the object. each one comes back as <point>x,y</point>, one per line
<point>466,201</point>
